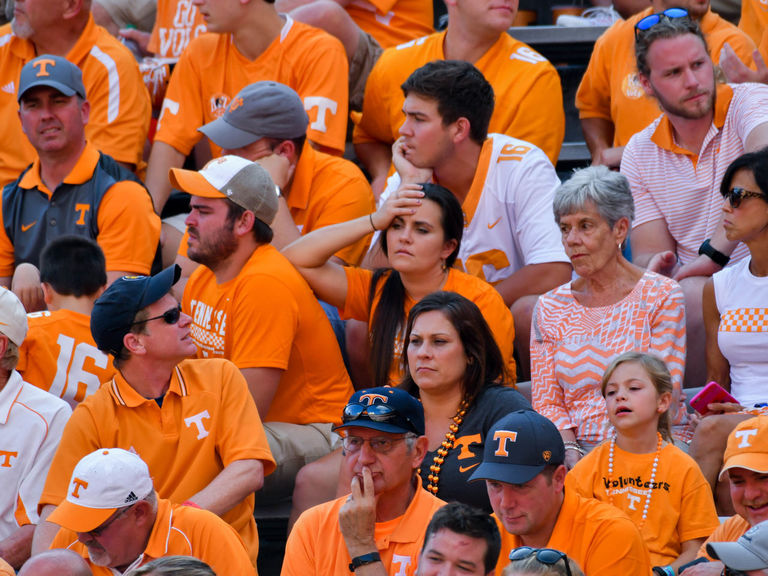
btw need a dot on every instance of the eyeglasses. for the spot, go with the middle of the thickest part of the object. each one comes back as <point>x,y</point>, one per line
<point>376,413</point>
<point>169,316</point>
<point>546,556</point>
<point>651,20</point>
<point>736,194</point>
<point>380,445</point>
<point>730,572</point>
<point>98,531</point>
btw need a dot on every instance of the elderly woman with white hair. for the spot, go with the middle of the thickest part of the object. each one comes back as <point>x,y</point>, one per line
<point>611,306</point>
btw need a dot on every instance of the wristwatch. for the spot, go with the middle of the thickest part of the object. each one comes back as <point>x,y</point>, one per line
<point>358,561</point>
<point>713,253</point>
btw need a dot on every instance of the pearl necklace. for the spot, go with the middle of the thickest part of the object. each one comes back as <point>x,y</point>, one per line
<point>649,492</point>
<point>445,447</point>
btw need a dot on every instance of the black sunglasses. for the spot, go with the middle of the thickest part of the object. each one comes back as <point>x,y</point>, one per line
<point>375,412</point>
<point>736,194</point>
<point>546,556</point>
<point>169,316</point>
<point>652,19</point>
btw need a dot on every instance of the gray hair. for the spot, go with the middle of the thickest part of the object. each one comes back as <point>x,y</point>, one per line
<point>608,191</point>
<point>175,566</point>
<point>665,29</point>
<point>11,358</point>
<point>534,567</point>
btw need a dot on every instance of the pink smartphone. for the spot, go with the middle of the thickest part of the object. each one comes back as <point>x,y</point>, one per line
<point>712,392</point>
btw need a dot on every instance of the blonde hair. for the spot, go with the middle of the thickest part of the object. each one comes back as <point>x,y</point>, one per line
<point>658,373</point>
<point>531,565</point>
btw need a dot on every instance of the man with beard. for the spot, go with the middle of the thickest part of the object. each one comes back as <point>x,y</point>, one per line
<point>251,306</point>
<point>675,165</point>
<point>114,519</point>
<point>611,102</point>
<point>120,112</point>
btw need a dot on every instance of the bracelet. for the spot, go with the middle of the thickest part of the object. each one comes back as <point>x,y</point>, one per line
<point>370,217</point>
<point>358,561</point>
<point>714,254</point>
<point>574,446</point>
<point>664,570</point>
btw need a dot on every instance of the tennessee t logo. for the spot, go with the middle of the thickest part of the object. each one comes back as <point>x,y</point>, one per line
<point>632,501</point>
<point>744,436</point>
<point>78,484</point>
<point>197,420</point>
<point>6,463</point>
<point>82,210</point>
<point>371,399</point>
<point>502,436</point>
<point>42,66</point>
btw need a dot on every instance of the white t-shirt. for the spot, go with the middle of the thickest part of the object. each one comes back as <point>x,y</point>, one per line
<point>508,218</point>
<point>31,422</point>
<point>742,300</point>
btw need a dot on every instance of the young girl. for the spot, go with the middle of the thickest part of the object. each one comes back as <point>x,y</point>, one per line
<point>640,471</point>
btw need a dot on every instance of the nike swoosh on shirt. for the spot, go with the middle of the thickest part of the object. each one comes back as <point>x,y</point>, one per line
<point>25,227</point>
<point>463,469</point>
<point>494,224</point>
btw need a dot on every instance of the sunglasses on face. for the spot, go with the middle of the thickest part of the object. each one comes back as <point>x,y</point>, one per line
<point>376,413</point>
<point>651,20</point>
<point>546,556</point>
<point>171,316</point>
<point>736,194</point>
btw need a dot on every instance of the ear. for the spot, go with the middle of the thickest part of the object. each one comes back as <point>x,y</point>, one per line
<point>85,112</point>
<point>645,82</point>
<point>73,8</point>
<point>4,345</point>
<point>133,343</point>
<point>558,478</point>
<point>462,129</point>
<point>448,247</point>
<point>621,229</point>
<point>664,402</point>
<point>47,292</point>
<point>286,148</point>
<point>142,514</point>
<point>419,451</point>
<point>244,223</point>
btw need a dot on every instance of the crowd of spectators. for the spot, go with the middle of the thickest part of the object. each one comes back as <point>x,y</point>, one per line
<point>299,254</point>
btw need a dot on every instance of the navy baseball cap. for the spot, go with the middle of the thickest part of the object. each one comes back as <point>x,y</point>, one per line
<point>519,447</point>
<point>114,311</point>
<point>53,71</point>
<point>385,409</point>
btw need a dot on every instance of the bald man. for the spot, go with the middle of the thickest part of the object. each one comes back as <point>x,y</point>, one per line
<point>58,562</point>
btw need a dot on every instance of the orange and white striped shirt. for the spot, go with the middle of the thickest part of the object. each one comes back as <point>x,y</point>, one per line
<point>672,184</point>
<point>571,346</point>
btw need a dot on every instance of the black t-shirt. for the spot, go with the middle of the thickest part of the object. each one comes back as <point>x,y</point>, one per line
<point>491,404</point>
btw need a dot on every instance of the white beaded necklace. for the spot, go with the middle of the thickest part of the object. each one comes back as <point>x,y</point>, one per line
<point>649,492</point>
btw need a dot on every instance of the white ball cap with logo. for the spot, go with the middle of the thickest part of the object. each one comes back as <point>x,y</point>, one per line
<point>102,482</point>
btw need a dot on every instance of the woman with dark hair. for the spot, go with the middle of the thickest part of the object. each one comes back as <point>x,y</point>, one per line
<point>735,303</point>
<point>421,228</point>
<point>453,365</point>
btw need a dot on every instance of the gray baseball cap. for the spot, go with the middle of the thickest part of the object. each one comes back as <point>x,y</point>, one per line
<point>260,110</point>
<point>53,71</point>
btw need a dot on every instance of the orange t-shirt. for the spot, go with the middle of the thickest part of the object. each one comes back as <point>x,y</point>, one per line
<point>754,21</point>
<point>729,531</point>
<point>681,507</point>
<point>60,356</point>
<point>316,546</point>
<point>529,100</point>
<point>211,72</point>
<point>177,23</point>
<point>610,88</point>
<point>129,228</point>
<point>328,190</point>
<point>268,317</point>
<point>602,540</point>
<point>393,22</point>
<point>207,421</point>
<point>179,531</point>
<point>120,107</point>
<point>496,314</point>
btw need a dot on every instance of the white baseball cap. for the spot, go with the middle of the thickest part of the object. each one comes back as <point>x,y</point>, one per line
<point>102,482</point>
<point>13,317</point>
